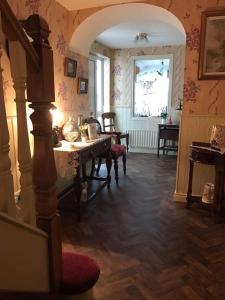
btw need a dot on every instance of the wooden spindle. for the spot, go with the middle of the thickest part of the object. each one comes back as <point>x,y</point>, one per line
<point>7,202</point>
<point>40,92</point>
<point>18,71</point>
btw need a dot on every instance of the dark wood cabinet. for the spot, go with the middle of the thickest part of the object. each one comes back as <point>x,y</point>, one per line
<point>203,153</point>
<point>169,134</point>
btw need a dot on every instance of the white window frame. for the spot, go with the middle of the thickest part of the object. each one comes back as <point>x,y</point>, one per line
<point>149,57</point>
<point>105,94</point>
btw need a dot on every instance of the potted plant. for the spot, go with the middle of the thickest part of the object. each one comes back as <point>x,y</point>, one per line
<point>164,114</point>
<point>83,132</point>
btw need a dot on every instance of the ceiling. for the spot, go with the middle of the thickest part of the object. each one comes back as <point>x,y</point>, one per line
<point>82,4</point>
<point>159,34</point>
<point>117,26</point>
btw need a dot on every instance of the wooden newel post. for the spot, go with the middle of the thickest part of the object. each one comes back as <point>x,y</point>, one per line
<point>40,92</point>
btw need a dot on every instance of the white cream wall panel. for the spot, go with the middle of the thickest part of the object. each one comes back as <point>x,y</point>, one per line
<point>24,257</point>
<point>194,128</point>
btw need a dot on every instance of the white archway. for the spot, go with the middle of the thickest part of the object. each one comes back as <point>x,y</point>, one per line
<point>90,28</point>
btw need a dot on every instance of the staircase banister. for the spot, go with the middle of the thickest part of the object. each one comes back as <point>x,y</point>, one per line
<point>14,31</point>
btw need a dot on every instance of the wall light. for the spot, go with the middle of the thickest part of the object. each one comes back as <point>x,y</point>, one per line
<point>57,117</point>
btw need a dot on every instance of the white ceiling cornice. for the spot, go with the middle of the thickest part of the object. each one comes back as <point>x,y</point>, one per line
<point>83,4</point>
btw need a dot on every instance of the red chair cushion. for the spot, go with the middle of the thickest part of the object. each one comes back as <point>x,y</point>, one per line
<point>118,149</point>
<point>79,273</point>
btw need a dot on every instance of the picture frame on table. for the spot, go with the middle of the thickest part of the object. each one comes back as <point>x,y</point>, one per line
<point>82,85</point>
<point>212,45</point>
<point>70,67</point>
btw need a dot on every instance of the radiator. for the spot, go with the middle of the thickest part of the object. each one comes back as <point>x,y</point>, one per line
<point>143,138</point>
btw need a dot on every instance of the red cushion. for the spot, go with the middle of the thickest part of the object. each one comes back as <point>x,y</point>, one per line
<point>79,273</point>
<point>118,149</point>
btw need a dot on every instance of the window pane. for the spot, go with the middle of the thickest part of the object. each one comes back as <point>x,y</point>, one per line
<point>151,86</point>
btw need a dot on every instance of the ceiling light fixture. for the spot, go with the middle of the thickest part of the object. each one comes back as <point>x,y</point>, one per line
<point>141,36</point>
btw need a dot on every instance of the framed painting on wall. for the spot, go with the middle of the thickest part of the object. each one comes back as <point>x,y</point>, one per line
<point>70,68</point>
<point>82,86</point>
<point>212,45</point>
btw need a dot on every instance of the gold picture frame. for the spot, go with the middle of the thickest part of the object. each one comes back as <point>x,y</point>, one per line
<point>82,86</point>
<point>70,67</point>
<point>212,45</point>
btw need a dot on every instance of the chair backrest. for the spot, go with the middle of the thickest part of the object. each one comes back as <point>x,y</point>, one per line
<point>108,120</point>
<point>92,120</point>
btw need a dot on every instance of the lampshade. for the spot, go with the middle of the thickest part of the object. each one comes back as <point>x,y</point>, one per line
<point>57,117</point>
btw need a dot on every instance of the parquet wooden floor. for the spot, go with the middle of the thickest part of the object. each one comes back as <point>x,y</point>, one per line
<point>147,246</point>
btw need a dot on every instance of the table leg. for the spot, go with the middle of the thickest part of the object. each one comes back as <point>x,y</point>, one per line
<point>92,167</point>
<point>189,192</point>
<point>158,146</point>
<point>127,143</point>
<point>164,145</point>
<point>219,189</point>
<point>108,167</point>
<point>78,191</point>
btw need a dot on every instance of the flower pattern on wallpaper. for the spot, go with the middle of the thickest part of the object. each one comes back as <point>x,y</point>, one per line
<point>193,38</point>
<point>213,105</point>
<point>33,6</point>
<point>191,90</point>
<point>170,4</point>
<point>61,44</point>
<point>117,95</point>
<point>117,70</point>
<point>62,92</point>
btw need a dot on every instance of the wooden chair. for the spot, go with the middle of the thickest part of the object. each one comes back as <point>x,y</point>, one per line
<point>117,150</point>
<point>111,127</point>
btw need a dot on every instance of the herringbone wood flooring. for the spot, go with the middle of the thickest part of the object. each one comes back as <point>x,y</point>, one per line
<point>147,246</point>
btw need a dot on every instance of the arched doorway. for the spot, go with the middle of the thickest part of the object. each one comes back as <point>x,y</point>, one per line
<point>87,32</point>
<point>91,27</point>
<point>121,98</point>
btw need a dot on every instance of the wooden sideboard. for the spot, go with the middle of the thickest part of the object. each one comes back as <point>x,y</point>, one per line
<point>85,152</point>
<point>167,132</point>
<point>203,153</point>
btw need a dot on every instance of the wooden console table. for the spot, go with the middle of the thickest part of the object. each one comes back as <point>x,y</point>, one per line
<point>85,152</point>
<point>167,132</point>
<point>202,153</point>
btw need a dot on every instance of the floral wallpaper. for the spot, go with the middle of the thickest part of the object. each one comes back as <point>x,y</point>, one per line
<point>208,93</point>
<point>66,96</point>
<point>122,72</point>
<point>98,48</point>
<point>200,96</point>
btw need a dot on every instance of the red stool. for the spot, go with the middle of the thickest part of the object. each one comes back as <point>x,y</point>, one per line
<point>79,275</point>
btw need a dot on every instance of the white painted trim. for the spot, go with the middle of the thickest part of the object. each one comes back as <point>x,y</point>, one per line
<point>179,197</point>
<point>24,226</point>
<point>142,150</point>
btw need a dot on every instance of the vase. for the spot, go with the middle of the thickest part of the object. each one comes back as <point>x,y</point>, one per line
<point>163,121</point>
<point>176,117</point>
<point>70,131</point>
<point>84,139</point>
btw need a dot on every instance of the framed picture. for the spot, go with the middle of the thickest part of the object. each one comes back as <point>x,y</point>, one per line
<point>212,46</point>
<point>82,86</point>
<point>70,67</point>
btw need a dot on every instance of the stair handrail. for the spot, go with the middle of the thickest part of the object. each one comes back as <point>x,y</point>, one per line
<point>15,31</point>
